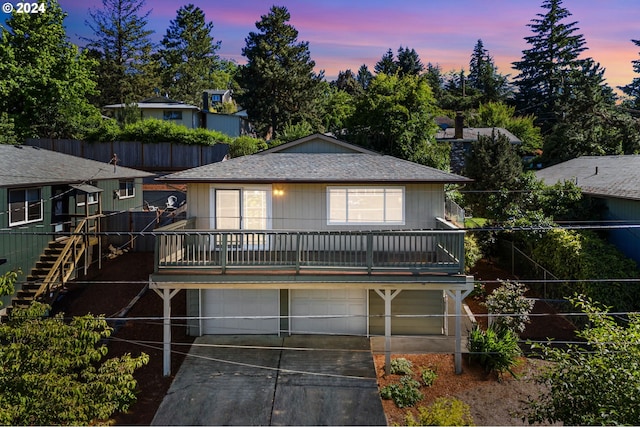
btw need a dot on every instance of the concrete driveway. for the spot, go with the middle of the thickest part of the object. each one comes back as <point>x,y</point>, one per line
<point>269,380</point>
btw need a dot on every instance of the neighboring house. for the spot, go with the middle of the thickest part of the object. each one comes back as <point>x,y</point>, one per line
<point>315,236</point>
<point>462,138</point>
<point>45,196</point>
<point>616,181</point>
<point>212,99</point>
<point>163,108</point>
<point>215,118</point>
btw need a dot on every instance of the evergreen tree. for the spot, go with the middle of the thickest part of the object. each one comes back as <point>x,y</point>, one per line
<point>188,56</point>
<point>44,81</point>
<point>347,82</point>
<point>554,51</point>
<point>387,64</point>
<point>409,62</point>
<point>484,77</point>
<point>364,76</point>
<point>279,85</point>
<point>632,90</point>
<point>123,47</point>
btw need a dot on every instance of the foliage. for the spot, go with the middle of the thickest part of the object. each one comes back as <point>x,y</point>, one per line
<point>401,366</point>
<point>245,145</point>
<point>632,90</point>
<point>395,117</point>
<point>406,393</point>
<point>585,257</point>
<point>292,132</point>
<point>428,376</point>
<point>472,251</point>
<point>495,349</point>
<point>444,411</point>
<point>278,81</point>
<point>52,372</point>
<point>44,81</point>
<point>7,283</point>
<point>597,383</point>
<point>188,56</point>
<point>484,77</point>
<point>510,305</point>
<point>7,130</point>
<point>122,45</point>
<point>338,106</point>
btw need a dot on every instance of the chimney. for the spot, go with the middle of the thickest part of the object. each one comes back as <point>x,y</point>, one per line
<point>459,125</point>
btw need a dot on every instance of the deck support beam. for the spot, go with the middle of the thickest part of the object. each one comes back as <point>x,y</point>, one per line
<point>458,296</point>
<point>166,295</point>
<point>387,296</point>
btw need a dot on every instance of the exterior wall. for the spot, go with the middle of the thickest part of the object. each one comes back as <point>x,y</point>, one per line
<point>430,303</point>
<point>189,117</point>
<point>228,124</point>
<point>304,207</point>
<point>627,240</point>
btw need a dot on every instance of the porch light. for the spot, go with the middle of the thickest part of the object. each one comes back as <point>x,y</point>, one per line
<point>278,192</point>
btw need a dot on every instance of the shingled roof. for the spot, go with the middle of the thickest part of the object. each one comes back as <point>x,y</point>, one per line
<point>363,166</point>
<point>605,176</point>
<point>25,165</point>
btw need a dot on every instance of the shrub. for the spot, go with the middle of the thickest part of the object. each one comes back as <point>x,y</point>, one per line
<point>401,366</point>
<point>509,302</point>
<point>428,376</point>
<point>245,145</point>
<point>445,411</point>
<point>472,251</point>
<point>496,350</point>
<point>406,393</point>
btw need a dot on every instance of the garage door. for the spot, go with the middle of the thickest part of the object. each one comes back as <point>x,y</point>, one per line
<point>349,306</point>
<point>228,306</point>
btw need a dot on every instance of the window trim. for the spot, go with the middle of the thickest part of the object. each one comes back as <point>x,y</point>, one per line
<point>354,188</point>
<point>25,206</point>
<point>126,192</point>
<point>93,199</point>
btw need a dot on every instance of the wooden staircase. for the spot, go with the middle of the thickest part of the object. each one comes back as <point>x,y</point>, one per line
<point>55,267</point>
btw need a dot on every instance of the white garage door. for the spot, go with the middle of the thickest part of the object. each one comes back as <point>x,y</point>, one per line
<point>349,306</point>
<point>226,307</point>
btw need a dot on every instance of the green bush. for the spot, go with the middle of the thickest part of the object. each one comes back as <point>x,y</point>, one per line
<point>428,376</point>
<point>401,366</point>
<point>245,145</point>
<point>472,251</point>
<point>404,394</point>
<point>445,411</point>
<point>511,306</point>
<point>496,350</point>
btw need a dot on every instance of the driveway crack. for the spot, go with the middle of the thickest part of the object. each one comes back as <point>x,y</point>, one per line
<point>275,388</point>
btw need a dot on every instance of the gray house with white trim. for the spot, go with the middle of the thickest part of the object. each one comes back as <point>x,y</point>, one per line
<point>315,236</point>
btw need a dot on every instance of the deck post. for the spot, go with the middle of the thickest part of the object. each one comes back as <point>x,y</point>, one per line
<point>458,296</point>
<point>387,296</point>
<point>166,295</point>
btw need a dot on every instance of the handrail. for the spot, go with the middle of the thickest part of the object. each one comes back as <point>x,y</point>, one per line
<point>57,270</point>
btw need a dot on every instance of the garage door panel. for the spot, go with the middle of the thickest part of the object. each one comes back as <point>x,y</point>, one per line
<point>234,311</point>
<point>348,305</point>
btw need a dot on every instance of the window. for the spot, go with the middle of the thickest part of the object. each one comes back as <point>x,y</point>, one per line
<point>172,115</point>
<point>365,205</point>
<point>127,189</point>
<point>83,197</point>
<point>25,206</point>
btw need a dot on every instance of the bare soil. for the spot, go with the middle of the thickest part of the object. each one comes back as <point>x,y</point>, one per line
<point>110,290</point>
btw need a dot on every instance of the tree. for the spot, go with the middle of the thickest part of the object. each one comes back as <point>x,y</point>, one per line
<point>484,77</point>
<point>597,383</point>
<point>543,69</point>
<point>188,56</point>
<point>44,81</point>
<point>632,90</point>
<point>52,371</point>
<point>387,64</point>
<point>279,85</point>
<point>122,45</point>
<point>409,62</point>
<point>396,116</point>
<point>347,82</point>
<point>364,76</point>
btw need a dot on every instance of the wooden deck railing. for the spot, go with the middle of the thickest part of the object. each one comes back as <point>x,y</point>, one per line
<point>368,251</point>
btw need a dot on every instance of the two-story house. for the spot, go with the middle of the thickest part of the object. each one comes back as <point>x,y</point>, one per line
<point>315,236</point>
<point>52,208</point>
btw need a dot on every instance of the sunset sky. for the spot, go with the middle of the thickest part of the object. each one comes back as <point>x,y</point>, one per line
<point>344,34</point>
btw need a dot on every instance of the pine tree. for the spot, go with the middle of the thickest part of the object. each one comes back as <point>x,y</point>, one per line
<point>409,62</point>
<point>632,90</point>
<point>387,64</point>
<point>279,85</point>
<point>188,56</point>
<point>555,48</point>
<point>122,44</point>
<point>364,76</point>
<point>484,77</point>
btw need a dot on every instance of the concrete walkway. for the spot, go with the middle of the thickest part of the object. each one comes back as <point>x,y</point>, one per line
<point>269,380</point>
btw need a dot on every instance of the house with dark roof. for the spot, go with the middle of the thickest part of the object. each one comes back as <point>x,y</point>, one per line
<point>163,108</point>
<point>52,207</point>
<point>616,181</point>
<point>315,236</point>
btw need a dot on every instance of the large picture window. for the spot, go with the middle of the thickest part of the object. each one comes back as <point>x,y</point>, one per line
<point>25,206</point>
<point>365,205</point>
<point>127,189</point>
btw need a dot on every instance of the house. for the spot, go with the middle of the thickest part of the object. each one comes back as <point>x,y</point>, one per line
<point>163,108</point>
<point>52,208</point>
<point>461,139</point>
<point>214,117</point>
<point>615,180</point>
<point>315,236</point>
